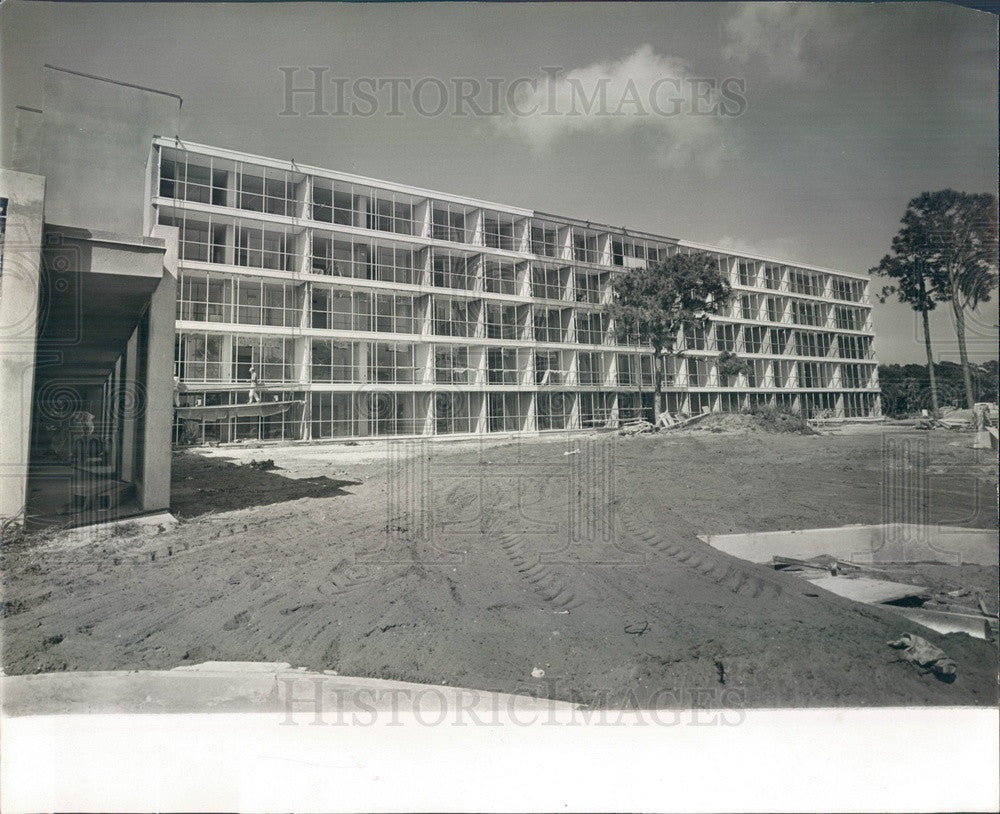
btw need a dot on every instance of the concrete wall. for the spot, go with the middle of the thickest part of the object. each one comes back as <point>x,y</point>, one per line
<point>94,148</point>
<point>158,424</point>
<point>20,282</point>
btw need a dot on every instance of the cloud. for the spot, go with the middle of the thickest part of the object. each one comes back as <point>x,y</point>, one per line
<point>783,36</point>
<point>675,117</point>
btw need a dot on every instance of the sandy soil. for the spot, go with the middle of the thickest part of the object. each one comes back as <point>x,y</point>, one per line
<point>474,564</point>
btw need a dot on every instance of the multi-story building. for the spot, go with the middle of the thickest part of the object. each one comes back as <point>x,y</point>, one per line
<point>367,308</point>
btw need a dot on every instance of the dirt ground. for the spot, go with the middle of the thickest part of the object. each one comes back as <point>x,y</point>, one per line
<point>474,564</point>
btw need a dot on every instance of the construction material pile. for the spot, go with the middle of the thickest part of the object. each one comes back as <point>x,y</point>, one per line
<point>770,422</point>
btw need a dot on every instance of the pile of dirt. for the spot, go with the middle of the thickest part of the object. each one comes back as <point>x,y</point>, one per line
<point>768,422</point>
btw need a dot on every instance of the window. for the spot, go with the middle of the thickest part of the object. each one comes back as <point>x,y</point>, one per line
<point>454,317</point>
<point>500,276</point>
<point>547,282</point>
<point>775,309</point>
<point>333,362</point>
<point>747,272</point>
<point>585,246</point>
<point>553,410</point>
<point>501,365</point>
<point>854,347</point>
<point>589,368</point>
<point>264,248</point>
<point>544,239</point>
<point>635,370</point>
<point>698,371</point>
<point>548,368</point>
<point>272,356</point>
<point>198,357</point>
<point>331,415</point>
<point>696,337</point>
<point>781,339</point>
<point>502,321</point>
<point>847,289</point>
<point>772,277</point>
<point>499,231</point>
<point>454,412</point>
<point>390,363</point>
<point>448,222</point>
<point>591,327</point>
<point>756,339</point>
<point>395,265</point>
<point>204,297</point>
<point>189,177</point>
<point>392,212</point>
<point>633,253</point>
<point>588,287</point>
<point>808,313</point>
<point>595,409</point>
<point>348,204</point>
<point>848,318</point>
<point>506,412</point>
<point>548,325</point>
<point>452,270</point>
<point>807,282</point>
<point>263,189</point>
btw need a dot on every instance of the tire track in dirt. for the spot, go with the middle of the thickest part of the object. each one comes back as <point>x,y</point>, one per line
<point>707,564</point>
<point>551,586</point>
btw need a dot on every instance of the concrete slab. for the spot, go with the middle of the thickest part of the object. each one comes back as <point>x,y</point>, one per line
<point>879,543</point>
<point>872,591</point>
<point>246,687</point>
<point>945,622</point>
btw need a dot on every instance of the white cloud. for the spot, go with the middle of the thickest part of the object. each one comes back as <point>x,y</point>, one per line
<point>781,35</point>
<point>645,96</point>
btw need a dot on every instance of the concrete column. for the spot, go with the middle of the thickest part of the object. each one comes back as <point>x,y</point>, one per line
<point>360,217</point>
<point>474,227</point>
<point>159,406</point>
<point>522,235</point>
<point>422,219</point>
<point>129,414</point>
<point>564,242</point>
<point>604,250</point>
<point>20,285</point>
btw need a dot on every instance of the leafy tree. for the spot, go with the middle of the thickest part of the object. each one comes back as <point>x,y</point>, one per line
<point>731,364</point>
<point>910,271</point>
<point>653,305</point>
<point>905,387</point>
<point>945,252</point>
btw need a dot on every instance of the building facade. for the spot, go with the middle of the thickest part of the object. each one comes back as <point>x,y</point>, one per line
<point>87,293</point>
<point>315,304</point>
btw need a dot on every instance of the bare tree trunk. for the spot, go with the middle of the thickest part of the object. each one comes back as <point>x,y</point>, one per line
<point>657,391</point>
<point>936,407</point>
<point>963,354</point>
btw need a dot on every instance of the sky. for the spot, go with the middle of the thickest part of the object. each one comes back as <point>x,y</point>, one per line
<point>836,114</point>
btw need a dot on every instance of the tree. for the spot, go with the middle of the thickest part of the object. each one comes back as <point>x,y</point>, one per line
<point>912,286</point>
<point>945,252</point>
<point>653,305</point>
<point>965,244</point>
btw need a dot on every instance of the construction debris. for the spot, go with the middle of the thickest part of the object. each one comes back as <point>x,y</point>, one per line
<point>922,653</point>
<point>868,544</point>
<point>978,627</point>
<point>636,427</point>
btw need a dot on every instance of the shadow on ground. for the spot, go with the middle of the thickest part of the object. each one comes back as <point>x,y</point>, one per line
<point>202,485</point>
